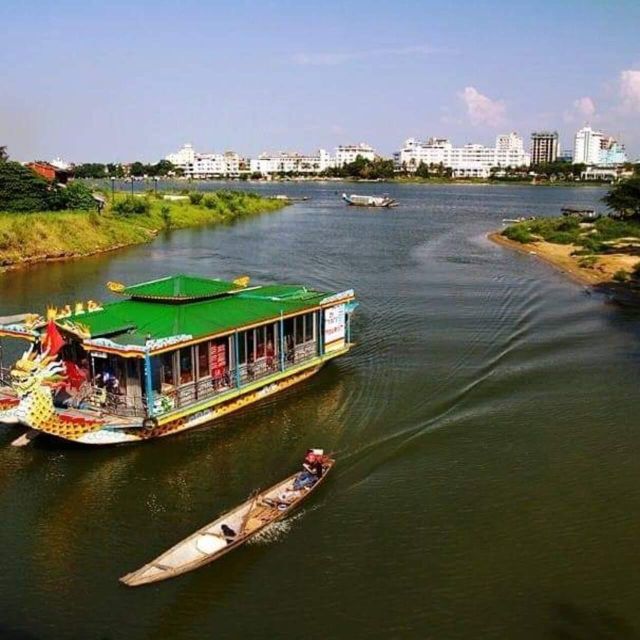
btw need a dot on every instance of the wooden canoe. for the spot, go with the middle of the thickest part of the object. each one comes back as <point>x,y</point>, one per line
<point>209,543</point>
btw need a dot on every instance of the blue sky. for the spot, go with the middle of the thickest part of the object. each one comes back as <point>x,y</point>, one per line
<point>96,81</point>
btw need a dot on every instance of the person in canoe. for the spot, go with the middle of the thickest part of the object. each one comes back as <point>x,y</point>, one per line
<point>312,469</point>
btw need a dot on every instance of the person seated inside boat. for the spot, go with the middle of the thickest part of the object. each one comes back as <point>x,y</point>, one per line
<point>312,470</point>
<point>228,533</point>
<point>108,382</point>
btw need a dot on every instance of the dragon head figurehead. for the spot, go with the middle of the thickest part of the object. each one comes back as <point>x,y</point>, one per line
<point>35,370</point>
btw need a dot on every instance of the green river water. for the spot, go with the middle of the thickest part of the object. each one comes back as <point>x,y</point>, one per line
<point>487,476</point>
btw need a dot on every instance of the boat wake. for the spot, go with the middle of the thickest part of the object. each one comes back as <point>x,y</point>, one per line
<point>276,531</point>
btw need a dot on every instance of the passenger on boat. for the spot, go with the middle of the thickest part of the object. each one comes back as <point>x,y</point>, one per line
<point>108,382</point>
<point>270,353</point>
<point>312,470</point>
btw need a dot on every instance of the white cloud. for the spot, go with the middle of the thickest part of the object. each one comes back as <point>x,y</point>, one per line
<point>335,58</point>
<point>585,107</point>
<point>583,110</point>
<point>482,110</point>
<point>630,89</point>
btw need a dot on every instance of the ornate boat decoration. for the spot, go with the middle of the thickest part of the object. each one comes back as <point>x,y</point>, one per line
<point>172,354</point>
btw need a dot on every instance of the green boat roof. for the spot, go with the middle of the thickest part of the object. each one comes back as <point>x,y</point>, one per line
<point>180,288</point>
<point>157,314</point>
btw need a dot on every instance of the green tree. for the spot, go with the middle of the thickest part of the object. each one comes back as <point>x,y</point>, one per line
<point>4,156</point>
<point>624,198</point>
<point>137,169</point>
<point>161,168</point>
<point>423,170</point>
<point>115,170</point>
<point>76,195</point>
<point>22,189</point>
<point>91,170</point>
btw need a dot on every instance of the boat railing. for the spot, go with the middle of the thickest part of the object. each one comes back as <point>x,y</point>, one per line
<point>118,404</point>
<point>229,378</point>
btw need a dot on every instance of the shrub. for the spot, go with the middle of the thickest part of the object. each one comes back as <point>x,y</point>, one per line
<point>165,212</point>
<point>211,202</point>
<point>560,237</point>
<point>76,195</point>
<point>591,244</point>
<point>131,206</point>
<point>587,262</point>
<point>621,275</point>
<point>22,189</point>
<point>518,233</point>
<point>195,197</point>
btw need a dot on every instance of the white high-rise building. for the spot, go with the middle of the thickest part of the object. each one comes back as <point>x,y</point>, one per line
<point>182,158</point>
<point>206,165</point>
<point>586,148</point>
<point>469,161</point>
<point>291,162</point>
<point>347,153</point>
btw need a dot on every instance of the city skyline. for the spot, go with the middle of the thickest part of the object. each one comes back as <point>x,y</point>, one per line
<point>128,82</point>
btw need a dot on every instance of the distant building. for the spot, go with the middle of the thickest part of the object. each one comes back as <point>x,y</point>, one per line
<point>544,147</point>
<point>50,172</point>
<point>612,152</point>
<point>606,173</point>
<point>595,149</point>
<point>468,161</point>
<point>586,148</point>
<point>565,155</point>
<point>59,163</point>
<point>291,162</point>
<point>206,165</point>
<point>347,153</point>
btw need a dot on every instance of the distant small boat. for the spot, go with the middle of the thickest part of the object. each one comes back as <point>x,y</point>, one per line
<point>369,201</point>
<point>228,532</point>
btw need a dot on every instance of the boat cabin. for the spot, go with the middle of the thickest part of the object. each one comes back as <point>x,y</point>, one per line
<point>172,343</point>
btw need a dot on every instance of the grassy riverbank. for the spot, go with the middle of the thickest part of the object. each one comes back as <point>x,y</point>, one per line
<point>604,252</point>
<point>34,237</point>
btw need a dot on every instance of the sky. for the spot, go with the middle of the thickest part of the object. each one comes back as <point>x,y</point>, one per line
<point>122,81</point>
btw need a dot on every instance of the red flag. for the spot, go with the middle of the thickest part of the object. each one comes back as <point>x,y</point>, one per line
<point>52,341</point>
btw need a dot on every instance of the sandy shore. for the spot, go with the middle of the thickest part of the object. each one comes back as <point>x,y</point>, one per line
<point>559,256</point>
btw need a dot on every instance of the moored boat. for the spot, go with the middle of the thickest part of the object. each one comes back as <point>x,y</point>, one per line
<point>227,532</point>
<point>369,201</point>
<point>175,353</point>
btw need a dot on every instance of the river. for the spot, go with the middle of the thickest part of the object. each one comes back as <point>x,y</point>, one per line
<point>487,476</point>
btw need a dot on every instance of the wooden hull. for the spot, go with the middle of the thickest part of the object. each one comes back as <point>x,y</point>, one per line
<point>208,543</point>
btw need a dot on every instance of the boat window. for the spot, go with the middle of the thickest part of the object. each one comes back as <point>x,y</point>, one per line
<point>271,341</point>
<point>299,329</point>
<point>186,365</point>
<point>308,327</point>
<point>288,334</point>
<point>260,342</point>
<point>242,348</point>
<point>166,366</point>
<point>250,346</point>
<point>203,360</point>
<point>219,360</point>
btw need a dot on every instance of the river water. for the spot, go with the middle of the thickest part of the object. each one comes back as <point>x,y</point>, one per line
<point>485,430</point>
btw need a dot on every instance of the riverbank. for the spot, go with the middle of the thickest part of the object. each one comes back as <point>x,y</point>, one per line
<point>29,238</point>
<point>610,272</point>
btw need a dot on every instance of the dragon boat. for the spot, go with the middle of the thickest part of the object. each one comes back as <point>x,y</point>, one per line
<point>173,354</point>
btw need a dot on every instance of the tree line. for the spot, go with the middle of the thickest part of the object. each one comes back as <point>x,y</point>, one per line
<point>136,169</point>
